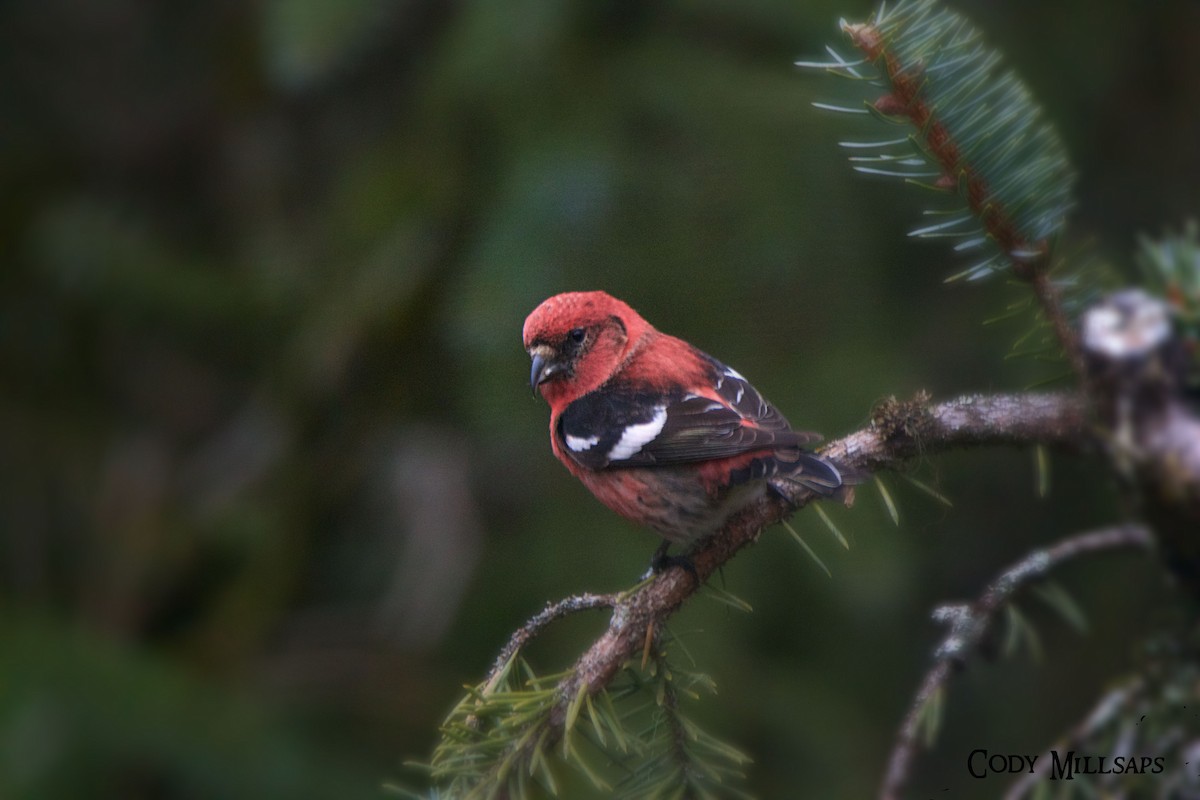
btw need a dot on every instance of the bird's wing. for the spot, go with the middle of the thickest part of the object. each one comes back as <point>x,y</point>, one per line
<point>625,427</point>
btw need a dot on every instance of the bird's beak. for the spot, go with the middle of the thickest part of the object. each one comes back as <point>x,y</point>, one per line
<point>543,368</point>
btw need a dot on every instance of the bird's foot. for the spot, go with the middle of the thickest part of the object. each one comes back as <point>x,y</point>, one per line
<point>661,561</point>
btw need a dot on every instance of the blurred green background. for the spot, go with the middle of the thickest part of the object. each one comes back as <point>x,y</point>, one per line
<point>272,485</point>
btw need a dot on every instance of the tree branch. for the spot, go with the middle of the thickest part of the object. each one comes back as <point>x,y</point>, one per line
<point>902,430</point>
<point>899,431</point>
<point>969,623</point>
<point>535,624</point>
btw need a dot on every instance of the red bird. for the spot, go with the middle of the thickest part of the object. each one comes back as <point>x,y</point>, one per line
<point>660,432</point>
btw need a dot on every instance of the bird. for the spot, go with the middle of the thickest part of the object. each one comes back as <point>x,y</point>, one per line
<point>659,431</point>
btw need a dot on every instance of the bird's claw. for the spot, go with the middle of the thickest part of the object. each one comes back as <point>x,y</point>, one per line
<point>661,561</point>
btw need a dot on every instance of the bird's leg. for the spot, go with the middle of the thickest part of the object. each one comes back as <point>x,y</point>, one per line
<point>661,561</point>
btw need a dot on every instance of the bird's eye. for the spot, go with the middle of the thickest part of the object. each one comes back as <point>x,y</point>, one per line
<point>577,335</point>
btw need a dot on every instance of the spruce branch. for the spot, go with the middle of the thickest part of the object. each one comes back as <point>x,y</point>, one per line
<point>899,432</point>
<point>975,130</point>
<point>686,762</point>
<point>976,134</point>
<point>969,624</point>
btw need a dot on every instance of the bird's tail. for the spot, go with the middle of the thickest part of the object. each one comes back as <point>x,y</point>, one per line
<point>822,477</point>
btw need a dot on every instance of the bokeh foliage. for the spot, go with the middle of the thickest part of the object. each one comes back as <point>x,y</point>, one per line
<point>271,483</point>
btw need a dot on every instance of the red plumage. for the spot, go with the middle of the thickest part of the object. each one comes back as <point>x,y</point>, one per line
<point>660,432</point>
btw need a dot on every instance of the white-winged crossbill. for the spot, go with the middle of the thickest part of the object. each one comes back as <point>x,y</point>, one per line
<point>660,432</point>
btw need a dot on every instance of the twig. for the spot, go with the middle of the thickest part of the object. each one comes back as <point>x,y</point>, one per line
<point>670,707</point>
<point>1049,298</point>
<point>969,623</point>
<point>553,611</point>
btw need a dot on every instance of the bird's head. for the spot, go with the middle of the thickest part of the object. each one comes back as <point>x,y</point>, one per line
<point>577,340</point>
